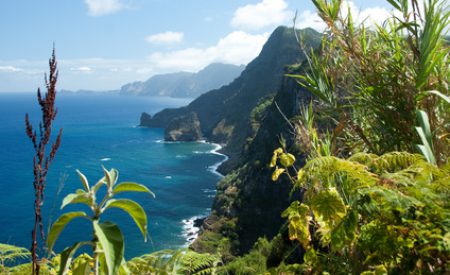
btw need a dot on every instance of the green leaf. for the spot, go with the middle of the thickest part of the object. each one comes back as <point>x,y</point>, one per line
<point>424,132</point>
<point>287,160</point>
<point>276,174</point>
<point>67,255</point>
<point>59,225</point>
<point>424,123</point>
<point>329,205</point>
<point>81,197</point>
<point>441,95</point>
<point>111,240</point>
<point>136,212</point>
<point>84,180</point>
<point>131,187</point>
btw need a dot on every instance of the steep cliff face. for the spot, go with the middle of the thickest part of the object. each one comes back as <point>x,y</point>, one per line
<point>247,197</point>
<point>186,127</point>
<point>224,114</point>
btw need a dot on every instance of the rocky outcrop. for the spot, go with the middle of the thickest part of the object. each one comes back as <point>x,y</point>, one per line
<point>183,128</point>
<point>145,119</point>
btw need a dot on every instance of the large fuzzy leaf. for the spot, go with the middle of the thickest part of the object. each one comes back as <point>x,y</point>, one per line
<point>133,209</point>
<point>79,197</point>
<point>108,178</point>
<point>59,225</point>
<point>111,240</point>
<point>84,181</point>
<point>131,187</point>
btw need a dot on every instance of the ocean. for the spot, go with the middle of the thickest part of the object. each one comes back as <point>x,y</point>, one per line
<point>101,130</point>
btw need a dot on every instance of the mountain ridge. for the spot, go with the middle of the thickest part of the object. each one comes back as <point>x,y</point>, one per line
<point>224,113</point>
<point>185,84</point>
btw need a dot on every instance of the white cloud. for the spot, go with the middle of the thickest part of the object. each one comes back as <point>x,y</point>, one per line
<point>84,69</point>
<point>369,16</point>
<point>236,48</point>
<point>266,13</point>
<point>165,38</point>
<point>9,69</point>
<point>309,19</point>
<point>103,7</point>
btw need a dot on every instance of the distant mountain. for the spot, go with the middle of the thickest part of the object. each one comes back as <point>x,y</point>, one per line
<point>185,84</point>
<point>224,114</point>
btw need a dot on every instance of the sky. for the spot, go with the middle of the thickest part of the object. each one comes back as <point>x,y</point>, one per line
<point>104,44</point>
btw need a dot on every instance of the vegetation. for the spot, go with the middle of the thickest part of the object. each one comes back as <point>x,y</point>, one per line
<point>175,262</point>
<point>372,213</point>
<point>107,241</point>
<point>42,158</point>
<point>9,254</point>
<point>367,208</point>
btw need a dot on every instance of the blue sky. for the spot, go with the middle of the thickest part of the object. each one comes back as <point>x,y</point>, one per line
<point>103,44</point>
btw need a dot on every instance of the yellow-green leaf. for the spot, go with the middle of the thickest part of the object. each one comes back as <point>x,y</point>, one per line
<point>59,225</point>
<point>276,152</point>
<point>81,197</point>
<point>287,160</point>
<point>131,187</point>
<point>276,174</point>
<point>299,218</point>
<point>329,205</point>
<point>136,212</point>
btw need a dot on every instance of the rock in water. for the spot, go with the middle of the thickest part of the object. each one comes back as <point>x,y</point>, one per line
<point>183,128</point>
<point>145,119</point>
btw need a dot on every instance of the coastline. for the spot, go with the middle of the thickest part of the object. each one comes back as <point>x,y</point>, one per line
<point>192,226</point>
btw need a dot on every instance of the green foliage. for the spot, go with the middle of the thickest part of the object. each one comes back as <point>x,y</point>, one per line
<point>9,254</point>
<point>175,262</point>
<point>107,240</point>
<point>424,131</point>
<point>372,212</point>
<point>370,83</point>
<point>252,263</point>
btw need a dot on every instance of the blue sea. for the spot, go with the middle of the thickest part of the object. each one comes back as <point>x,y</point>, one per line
<point>101,130</point>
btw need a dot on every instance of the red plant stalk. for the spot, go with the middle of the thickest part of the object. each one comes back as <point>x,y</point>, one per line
<point>41,161</point>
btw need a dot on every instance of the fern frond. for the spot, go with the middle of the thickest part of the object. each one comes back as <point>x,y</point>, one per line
<point>10,253</point>
<point>328,168</point>
<point>198,264</point>
<point>396,161</point>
